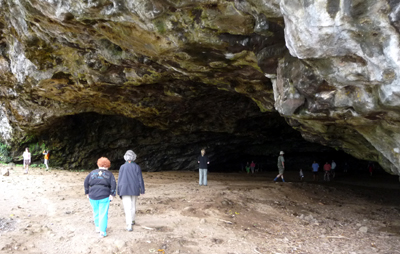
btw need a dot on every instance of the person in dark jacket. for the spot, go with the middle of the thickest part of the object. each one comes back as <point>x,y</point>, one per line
<point>203,162</point>
<point>100,188</point>
<point>130,186</point>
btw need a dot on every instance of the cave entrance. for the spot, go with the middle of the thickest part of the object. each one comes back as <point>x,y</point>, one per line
<point>77,141</point>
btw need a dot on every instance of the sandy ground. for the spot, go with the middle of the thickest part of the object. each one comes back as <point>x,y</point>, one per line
<point>47,212</point>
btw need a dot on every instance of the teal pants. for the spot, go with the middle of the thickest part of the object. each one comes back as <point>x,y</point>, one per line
<point>100,213</point>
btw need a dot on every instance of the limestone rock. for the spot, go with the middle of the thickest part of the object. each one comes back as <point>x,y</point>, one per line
<point>5,171</point>
<point>171,77</point>
<point>120,244</point>
<point>349,89</point>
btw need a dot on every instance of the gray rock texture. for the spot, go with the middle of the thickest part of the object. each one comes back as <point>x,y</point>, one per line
<point>180,75</point>
<point>340,84</point>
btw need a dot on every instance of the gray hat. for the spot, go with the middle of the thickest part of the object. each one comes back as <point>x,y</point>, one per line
<point>130,156</point>
<point>281,152</point>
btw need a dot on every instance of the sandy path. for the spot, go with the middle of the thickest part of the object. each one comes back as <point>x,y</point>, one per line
<point>46,212</point>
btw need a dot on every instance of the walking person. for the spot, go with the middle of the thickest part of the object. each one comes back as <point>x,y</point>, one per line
<point>315,167</point>
<point>130,186</point>
<point>46,159</point>
<point>301,175</point>
<point>248,168</point>
<point>327,169</point>
<point>203,162</point>
<point>281,166</point>
<point>333,169</point>
<point>100,188</point>
<point>27,160</point>
<point>252,166</point>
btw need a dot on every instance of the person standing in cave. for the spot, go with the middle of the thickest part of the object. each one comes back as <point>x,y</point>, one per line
<point>281,166</point>
<point>327,169</point>
<point>46,159</point>
<point>100,188</point>
<point>371,168</point>
<point>301,175</point>
<point>27,160</point>
<point>130,186</point>
<point>346,167</point>
<point>315,167</point>
<point>203,162</point>
<point>252,166</point>
<point>248,168</point>
<point>333,169</point>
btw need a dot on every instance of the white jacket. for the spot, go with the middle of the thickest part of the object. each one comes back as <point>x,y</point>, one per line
<point>27,156</point>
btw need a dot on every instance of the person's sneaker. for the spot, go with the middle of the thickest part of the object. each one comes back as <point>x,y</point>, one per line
<point>129,228</point>
<point>102,235</point>
<point>133,223</point>
<point>97,230</point>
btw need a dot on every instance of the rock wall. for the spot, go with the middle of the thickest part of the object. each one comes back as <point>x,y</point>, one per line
<point>206,66</point>
<point>340,84</point>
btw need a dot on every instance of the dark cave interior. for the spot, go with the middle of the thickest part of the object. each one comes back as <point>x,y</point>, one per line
<point>77,141</point>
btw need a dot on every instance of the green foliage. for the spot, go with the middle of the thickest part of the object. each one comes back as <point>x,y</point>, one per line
<point>36,149</point>
<point>5,153</point>
<point>159,24</point>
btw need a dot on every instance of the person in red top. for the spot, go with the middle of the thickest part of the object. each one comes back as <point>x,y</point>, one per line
<point>327,169</point>
<point>252,166</point>
<point>370,168</point>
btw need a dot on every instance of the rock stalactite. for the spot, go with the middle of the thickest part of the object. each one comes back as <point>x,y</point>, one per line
<point>169,77</point>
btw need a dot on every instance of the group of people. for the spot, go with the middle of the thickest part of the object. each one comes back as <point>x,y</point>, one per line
<point>250,167</point>
<point>329,170</point>
<point>101,188</point>
<point>27,159</point>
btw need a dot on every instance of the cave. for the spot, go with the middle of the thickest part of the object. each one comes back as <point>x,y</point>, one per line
<point>77,141</point>
<point>243,79</point>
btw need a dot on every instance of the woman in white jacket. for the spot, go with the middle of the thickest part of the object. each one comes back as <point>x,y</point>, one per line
<point>27,160</point>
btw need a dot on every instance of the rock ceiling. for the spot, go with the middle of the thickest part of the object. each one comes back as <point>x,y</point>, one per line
<point>185,74</point>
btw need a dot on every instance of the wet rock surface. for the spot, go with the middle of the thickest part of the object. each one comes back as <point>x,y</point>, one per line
<point>93,78</point>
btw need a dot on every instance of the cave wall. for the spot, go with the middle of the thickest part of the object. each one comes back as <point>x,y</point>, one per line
<point>77,141</point>
<point>185,68</point>
<point>340,83</point>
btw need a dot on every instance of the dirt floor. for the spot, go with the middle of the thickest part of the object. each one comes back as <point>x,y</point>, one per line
<point>47,212</point>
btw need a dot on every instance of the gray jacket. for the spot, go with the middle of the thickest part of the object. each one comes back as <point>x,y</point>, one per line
<point>130,180</point>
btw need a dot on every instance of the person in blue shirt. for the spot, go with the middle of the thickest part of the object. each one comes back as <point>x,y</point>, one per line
<point>315,168</point>
<point>100,188</point>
